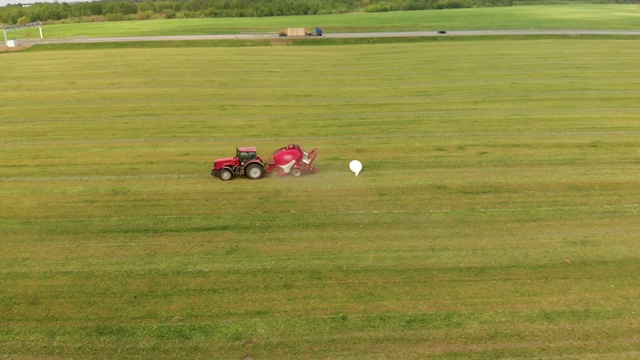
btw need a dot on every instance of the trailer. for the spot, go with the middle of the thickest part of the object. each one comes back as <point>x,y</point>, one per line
<point>300,32</point>
<point>291,159</point>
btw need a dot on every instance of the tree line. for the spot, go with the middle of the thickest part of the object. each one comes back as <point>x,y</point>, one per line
<point>117,10</point>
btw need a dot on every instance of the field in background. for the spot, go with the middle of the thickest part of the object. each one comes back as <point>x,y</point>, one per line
<point>577,16</point>
<point>497,214</point>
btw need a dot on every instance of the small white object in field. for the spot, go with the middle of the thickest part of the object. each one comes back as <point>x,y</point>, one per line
<point>355,166</point>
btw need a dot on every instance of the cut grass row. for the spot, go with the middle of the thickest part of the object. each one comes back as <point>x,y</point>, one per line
<point>496,215</point>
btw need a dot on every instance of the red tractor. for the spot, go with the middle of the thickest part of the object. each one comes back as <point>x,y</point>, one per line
<point>290,159</point>
<point>247,163</point>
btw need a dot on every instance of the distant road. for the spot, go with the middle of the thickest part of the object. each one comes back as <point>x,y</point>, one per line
<point>253,36</point>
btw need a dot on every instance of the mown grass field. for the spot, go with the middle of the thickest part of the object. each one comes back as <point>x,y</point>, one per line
<point>544,17</point>
<point>497,215</point>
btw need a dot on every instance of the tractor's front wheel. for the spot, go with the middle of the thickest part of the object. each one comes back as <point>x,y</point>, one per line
<point>296,172</point>
<point>254,171</point>
<point>225,174</point>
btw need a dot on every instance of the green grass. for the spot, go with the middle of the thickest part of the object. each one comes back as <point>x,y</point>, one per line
<point>496,216</point>
<point>575,16</point>
<point>310,42</point>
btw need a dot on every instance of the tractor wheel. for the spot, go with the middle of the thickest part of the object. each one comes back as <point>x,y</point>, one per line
<point>225,174</point>
<point>296,172</point>
<point>254,171</point>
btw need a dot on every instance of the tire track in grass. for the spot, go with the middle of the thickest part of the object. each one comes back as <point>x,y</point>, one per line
<point>631,207</point>
<point>103,178</point>
<point>335,137</point>
<point>384,116</point>
<point>471,210</point>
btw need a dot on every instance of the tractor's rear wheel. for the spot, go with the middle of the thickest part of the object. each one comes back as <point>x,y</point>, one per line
<point>254,171</point>
<point>225,174</point>
<point>296,172</point>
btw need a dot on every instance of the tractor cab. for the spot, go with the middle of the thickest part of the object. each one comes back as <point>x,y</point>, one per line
<point>246,154</point>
